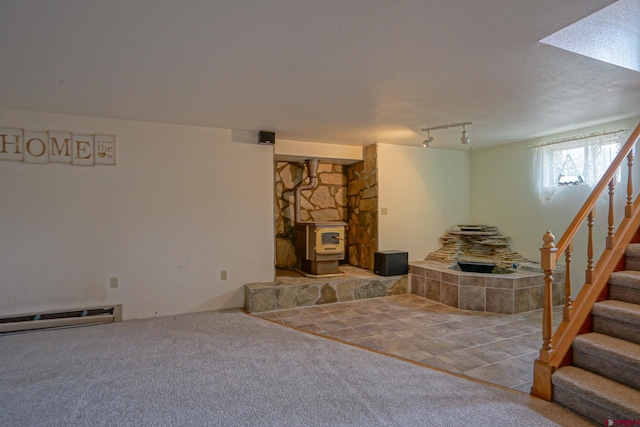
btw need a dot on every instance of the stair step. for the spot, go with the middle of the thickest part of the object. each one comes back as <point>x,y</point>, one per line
<point>629,278</point>
<point>594,396</point>
<point>632,257</point>
<point>625,286</point>
<point>633,250</point>
<point>618,319</point>
<point>608,356</point>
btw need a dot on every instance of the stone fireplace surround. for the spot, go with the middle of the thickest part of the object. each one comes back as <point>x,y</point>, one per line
<point>346,193</point>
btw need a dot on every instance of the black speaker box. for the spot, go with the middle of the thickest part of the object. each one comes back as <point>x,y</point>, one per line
<point>390,263</point>
<point>267,138</point>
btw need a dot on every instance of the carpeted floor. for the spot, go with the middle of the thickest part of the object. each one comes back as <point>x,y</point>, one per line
<point>230,369</point>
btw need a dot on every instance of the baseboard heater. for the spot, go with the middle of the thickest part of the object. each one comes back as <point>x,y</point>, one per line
<point>61,318</point>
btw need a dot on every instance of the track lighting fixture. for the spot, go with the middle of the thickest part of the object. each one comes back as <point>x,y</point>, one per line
<point>463,139</point>
<point>427,142</point>
<point>465,136</point>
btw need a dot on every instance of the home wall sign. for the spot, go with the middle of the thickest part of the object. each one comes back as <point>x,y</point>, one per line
<point>57,147</point>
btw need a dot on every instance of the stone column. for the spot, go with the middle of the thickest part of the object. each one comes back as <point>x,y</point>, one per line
<point>362,192</point>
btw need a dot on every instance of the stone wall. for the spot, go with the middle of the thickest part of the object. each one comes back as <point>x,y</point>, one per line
<point>362,192</point>
<point>326,202</point>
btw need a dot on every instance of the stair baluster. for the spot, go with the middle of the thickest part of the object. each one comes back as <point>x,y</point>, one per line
<point>588,277</point>
<point>612,186</point>
<point>628,209</point>
<point>568,302</point>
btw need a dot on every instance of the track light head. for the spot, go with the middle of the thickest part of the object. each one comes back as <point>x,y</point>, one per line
<point>427,142</point>
<point>465,136</point>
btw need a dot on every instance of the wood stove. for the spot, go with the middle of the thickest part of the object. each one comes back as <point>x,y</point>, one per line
<point>320,247</point>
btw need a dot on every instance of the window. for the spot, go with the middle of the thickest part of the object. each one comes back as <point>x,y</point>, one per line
<point>580,161</point>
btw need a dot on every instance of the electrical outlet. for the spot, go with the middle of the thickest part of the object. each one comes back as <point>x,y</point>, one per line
<point>223,274</point>
<point>383,211</point>
<point>115,282</point>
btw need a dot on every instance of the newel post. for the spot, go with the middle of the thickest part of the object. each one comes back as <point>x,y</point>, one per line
<point>548,263</point>
<point>542,370</point>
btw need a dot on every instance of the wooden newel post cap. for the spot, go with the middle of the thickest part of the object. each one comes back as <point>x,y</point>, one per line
<point>548,252</point>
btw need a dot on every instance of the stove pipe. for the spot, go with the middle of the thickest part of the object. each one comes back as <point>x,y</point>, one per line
<point>312,170</point>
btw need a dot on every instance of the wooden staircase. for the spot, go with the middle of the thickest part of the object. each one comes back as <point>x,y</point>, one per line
<point>591,362</point>
<point>604,381</point>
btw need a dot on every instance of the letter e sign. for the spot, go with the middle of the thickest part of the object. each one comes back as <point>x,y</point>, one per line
<point>82,150</point>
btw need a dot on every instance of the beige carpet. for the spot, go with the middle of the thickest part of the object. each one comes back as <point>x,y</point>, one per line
<point>230,369</point>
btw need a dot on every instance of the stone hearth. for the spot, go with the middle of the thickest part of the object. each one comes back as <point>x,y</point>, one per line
<point>292,292</point>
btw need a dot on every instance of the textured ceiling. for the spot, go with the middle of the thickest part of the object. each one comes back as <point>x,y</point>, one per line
<point>337,71</point>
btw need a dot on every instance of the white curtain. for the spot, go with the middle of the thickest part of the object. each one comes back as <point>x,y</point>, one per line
<point>587,158</point>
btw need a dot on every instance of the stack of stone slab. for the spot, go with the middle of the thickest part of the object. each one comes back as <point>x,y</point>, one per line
<point>481,243</point>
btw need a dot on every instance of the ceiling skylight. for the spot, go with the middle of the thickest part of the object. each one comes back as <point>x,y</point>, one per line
<point>611,35</point>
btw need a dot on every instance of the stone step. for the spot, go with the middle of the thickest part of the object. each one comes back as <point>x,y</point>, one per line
<point>618,319</point>
<point>610,357</point>
<point>293,292</point>
<point>625,286</point>
<point>596,397</point>
<point>632,257</point>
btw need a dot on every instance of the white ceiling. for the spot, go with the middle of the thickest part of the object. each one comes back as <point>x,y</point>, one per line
<point>336,71</point>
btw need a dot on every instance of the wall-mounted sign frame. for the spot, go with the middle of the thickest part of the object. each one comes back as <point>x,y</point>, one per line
<point>43,147</point>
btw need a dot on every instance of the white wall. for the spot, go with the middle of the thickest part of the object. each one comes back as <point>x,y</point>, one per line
<point>425,192</point>
<point>503,194</point>
<point>182,204</point>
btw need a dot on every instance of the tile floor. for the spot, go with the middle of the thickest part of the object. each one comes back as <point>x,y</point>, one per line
<point>497,348</point>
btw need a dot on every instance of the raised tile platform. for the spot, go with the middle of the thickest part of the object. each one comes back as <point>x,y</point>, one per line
<point>292,291</point>
<point>511,293</point>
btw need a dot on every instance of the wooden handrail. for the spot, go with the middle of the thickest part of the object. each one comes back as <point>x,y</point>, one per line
<point>555,347</point>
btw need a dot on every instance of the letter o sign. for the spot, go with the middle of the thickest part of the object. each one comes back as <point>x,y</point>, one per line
<point>41,150</point>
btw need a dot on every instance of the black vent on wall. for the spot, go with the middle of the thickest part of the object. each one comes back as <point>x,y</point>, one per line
<point>267,138</point>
